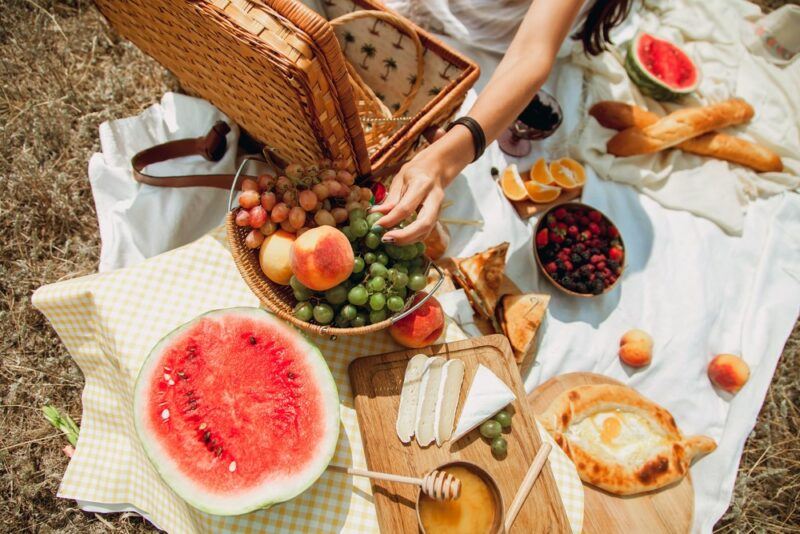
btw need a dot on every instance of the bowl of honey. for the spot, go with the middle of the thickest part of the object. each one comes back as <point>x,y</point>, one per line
<point>477,510</point>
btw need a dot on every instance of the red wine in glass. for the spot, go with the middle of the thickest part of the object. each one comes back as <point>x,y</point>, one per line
<point>539,120</point>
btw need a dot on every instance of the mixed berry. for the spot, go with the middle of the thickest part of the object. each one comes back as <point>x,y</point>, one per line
<point>580,249</point>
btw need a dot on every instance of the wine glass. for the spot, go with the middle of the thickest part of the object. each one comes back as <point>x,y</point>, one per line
<point>539,120</point>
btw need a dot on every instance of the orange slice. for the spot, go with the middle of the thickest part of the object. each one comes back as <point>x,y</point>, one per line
<point>511,183</point>
<point>542,193</point>
<point>568,173</point>
<point>540,172</point>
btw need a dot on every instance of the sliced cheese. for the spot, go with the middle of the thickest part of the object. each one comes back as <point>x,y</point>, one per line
<point>487,395</point>
<point>426,406</point>
<point>409,397</point>
<point>447,402</point>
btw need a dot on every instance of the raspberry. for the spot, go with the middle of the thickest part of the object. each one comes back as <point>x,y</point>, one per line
<point>568,266</point>
<point>613,232</point>
<point>573,230</point>
<point>542,238</point>
<point>594,228</point>
<point>595,216</point>
<point>551,267</point>
<point>597,258</point>
<point>560,213</point>
<point>557,238</point>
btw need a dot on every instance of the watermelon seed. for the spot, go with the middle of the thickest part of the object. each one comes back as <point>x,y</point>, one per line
<point>203,426</point>
<point>167,377</point>
<point>252,340</point>
<point>232,467</point>
<point>165,414</point>
<point>206,435</point>
<point>181,374</point>
<point>171,382</point>
<point>218,452</point>
<point>291,375</point>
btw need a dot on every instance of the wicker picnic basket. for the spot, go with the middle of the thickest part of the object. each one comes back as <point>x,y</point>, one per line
<point>357,83</point>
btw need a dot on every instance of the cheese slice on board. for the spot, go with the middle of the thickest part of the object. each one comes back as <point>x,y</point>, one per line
<point>449,392</point>
<point>487,395</point>
<point>409,397</point>
<point>426,406</point>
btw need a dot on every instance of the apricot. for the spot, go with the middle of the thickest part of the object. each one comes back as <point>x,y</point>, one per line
<point>322,258</point>
<point>636,348</point>
<point>635,335</point>
<point>636,354</point>
<point>274,257</point>
<point>728,372</point>
<point>422,327</point>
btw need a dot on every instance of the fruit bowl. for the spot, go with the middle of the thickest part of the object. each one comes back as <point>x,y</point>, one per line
<point>280,298</point>
<point>594,260</point>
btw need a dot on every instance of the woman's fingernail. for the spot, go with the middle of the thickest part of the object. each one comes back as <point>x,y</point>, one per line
<point>387,239</point>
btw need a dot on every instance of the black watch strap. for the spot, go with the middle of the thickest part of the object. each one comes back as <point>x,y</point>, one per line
<point>478,137</point>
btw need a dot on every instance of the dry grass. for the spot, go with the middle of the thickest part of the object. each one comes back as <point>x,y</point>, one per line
<point>63,73</point>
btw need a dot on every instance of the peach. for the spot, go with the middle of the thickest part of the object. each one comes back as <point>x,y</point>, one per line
<point>322,258</point>
<point>274,257</point>
<point>728,372</point>
<point>422,327</point>
<point>636,348</point>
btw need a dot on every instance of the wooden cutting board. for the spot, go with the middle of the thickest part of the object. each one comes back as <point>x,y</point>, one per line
<point>376,383</point>
<point>527,209</point>
<point>669,510</point>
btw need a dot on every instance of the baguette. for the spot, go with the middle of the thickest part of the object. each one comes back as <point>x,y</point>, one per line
<point>620,116</point>
<point>678,127</point>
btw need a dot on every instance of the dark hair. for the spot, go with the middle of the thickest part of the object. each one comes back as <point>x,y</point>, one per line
<point>602,17</point>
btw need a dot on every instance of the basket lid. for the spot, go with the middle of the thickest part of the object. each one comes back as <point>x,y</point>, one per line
<point>274,67</point>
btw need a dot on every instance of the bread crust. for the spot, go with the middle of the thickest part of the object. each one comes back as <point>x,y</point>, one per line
<point>621,116</point>
<point>668,464</point>
<point>520,317</point>
<point>481,275</point>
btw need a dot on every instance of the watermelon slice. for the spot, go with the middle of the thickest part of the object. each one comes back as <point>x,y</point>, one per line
<point>237,411</point>
<point>660,69</point>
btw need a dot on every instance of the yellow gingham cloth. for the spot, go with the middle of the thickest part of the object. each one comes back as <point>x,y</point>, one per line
<point>110,321</point>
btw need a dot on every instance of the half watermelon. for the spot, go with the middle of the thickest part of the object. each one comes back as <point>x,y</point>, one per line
<point>660,69</point>
<point>237,411</point>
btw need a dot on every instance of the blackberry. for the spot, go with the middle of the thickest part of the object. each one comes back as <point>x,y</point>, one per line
<point>613,265</point>
<point>575,258</point>
<point>597,287</point>
<point>580,287</point>
<point>586,254</point>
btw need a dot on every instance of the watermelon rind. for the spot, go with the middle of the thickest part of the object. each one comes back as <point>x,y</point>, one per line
<point>261,496</point>
<point>649,84</point>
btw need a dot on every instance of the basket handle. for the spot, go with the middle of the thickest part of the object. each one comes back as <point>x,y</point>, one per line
<point>404,26</point>
<point>416,306</point>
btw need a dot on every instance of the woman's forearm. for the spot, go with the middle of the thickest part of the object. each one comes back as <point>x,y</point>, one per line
<point>419,185</point>
<point>524,68</point>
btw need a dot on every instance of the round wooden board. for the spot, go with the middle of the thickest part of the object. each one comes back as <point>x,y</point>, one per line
<point>666,510</point>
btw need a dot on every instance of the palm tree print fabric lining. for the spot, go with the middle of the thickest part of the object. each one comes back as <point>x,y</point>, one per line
<point>386,60</point>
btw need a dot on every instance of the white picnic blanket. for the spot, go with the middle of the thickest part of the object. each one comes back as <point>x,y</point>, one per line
<point>697,289</point>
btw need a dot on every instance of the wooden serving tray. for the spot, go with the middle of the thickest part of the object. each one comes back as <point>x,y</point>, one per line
<point>668,510</point>
<point>527,209</point>
<point>376,383</point>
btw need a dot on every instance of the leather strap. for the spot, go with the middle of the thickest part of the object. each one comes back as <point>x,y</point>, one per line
<point>212,146</point>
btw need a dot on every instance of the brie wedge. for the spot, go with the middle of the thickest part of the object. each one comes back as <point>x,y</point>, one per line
<point>409,397</point>
<point>426,406</point>
<point>449,391</point>
<point>487,395</point>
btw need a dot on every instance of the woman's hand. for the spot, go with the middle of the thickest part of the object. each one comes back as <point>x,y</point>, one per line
<point>420,183</point>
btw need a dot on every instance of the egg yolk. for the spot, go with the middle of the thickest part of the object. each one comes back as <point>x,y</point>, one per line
<point>611,429</point>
